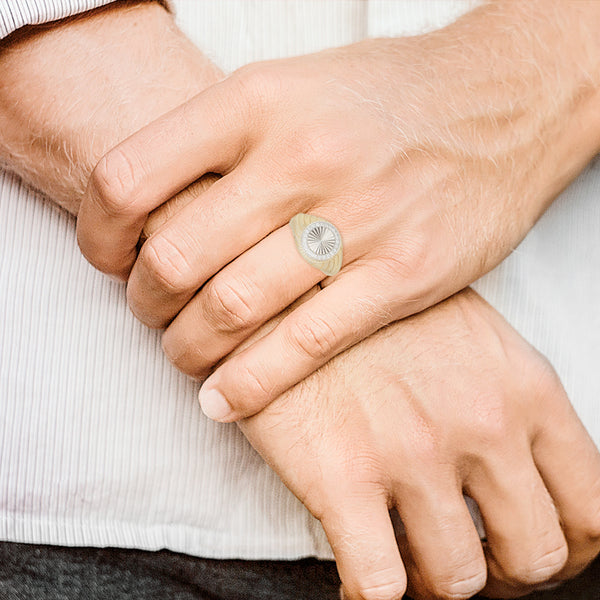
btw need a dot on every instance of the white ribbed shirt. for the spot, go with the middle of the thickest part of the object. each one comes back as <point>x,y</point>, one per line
<point>102,442</point>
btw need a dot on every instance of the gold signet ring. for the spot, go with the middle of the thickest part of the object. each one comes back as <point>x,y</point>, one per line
<point>318,241</point>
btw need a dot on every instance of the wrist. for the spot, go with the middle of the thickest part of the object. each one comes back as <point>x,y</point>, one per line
<point>512,87</point>
<point>545,59</point>
<point>72,91</point>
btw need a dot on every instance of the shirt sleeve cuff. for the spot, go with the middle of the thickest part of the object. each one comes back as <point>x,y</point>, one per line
<point>15,14</point>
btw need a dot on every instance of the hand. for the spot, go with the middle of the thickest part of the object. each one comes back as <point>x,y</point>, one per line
<point>71,90</point>
<point>448,402</point>
<point>433,155</point>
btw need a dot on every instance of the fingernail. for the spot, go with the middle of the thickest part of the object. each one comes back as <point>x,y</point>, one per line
<point>214,405</point>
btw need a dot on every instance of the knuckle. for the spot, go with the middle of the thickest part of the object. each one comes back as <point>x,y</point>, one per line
<point>360,478</point>
<point>255,389</point>
<point>100,260</point>
<point>491,424</point>
<point>185,354</point>
<point>229,305</point>
<point>426,446</point>
<point>591,525</point>
<point>361,468</point>
<point>313,337</point>
<point>584,529</point>
<point>115,181</point>
<point>464,582</point>
<point>166,265</point>
<point>329,147</point>
<point>322,153</point>
<point>540,568</point>
<point>544,381</point>
<point>258,83</point>
<point>425,440</point>
<point>415,254</point>
<point>387,590</point>
<point>175,346</point>
<point>409,259</point>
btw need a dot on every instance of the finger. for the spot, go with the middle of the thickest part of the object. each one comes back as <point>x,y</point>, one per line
<point>236,301</point>
<point>415,585</point>
<point>569,464</point>
<point>444,543</point>
<point>234,215</point>
<point>362,538</point>
<point>160,215</point>
<point>298,346</point>
<point>525,544</point>
<point>416,588</point>
<point>206,134</point>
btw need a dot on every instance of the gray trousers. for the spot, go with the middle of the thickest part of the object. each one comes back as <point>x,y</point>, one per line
<point>31,572</point>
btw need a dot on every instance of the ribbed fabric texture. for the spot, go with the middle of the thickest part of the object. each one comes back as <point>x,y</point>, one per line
<point>18,13</point>
<point>549,290</point>
<point>102,441</point>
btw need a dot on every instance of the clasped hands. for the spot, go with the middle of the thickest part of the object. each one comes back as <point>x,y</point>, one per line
<point>432,173</point>
<point>379,139</point>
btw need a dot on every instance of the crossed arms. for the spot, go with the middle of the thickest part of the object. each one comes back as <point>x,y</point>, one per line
<point>411,417</point>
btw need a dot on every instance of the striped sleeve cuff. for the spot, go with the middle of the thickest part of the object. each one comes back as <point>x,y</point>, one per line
<point>15,14</point>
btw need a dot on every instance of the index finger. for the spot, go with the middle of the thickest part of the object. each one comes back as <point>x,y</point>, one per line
<point>205,134</point>
<point>364,544</point>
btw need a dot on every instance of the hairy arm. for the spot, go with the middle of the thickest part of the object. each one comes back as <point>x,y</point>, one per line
<point>433,155</point>
<point>73,89</point>
<point>59,116</point>
<point>448,402</point>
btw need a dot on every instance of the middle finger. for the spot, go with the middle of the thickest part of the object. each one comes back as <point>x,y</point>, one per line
<point>200,239</point>
<point>236,301</point>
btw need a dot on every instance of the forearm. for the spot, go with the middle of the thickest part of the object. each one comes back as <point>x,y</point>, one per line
<point>557,46</point>
<point>71,91</point>
<point>537,92</point>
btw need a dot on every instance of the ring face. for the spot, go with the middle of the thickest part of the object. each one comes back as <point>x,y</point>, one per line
<point>321,240</point>
<point>318,241</point>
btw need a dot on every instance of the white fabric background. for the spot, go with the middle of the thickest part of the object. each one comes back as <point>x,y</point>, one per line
<point>15,14</point>
<point>102,442</point>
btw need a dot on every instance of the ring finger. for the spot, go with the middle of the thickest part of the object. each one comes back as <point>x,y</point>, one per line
<point>198,241</point>
<point>236,301</point>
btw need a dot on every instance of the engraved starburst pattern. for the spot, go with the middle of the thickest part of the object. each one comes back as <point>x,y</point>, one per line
<point>321,240</point>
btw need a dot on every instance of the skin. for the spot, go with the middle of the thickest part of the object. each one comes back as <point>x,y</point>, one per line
<point>447,402</point>
<point>480,411</point>
<point>53,141</point>
<point>459,140</point>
